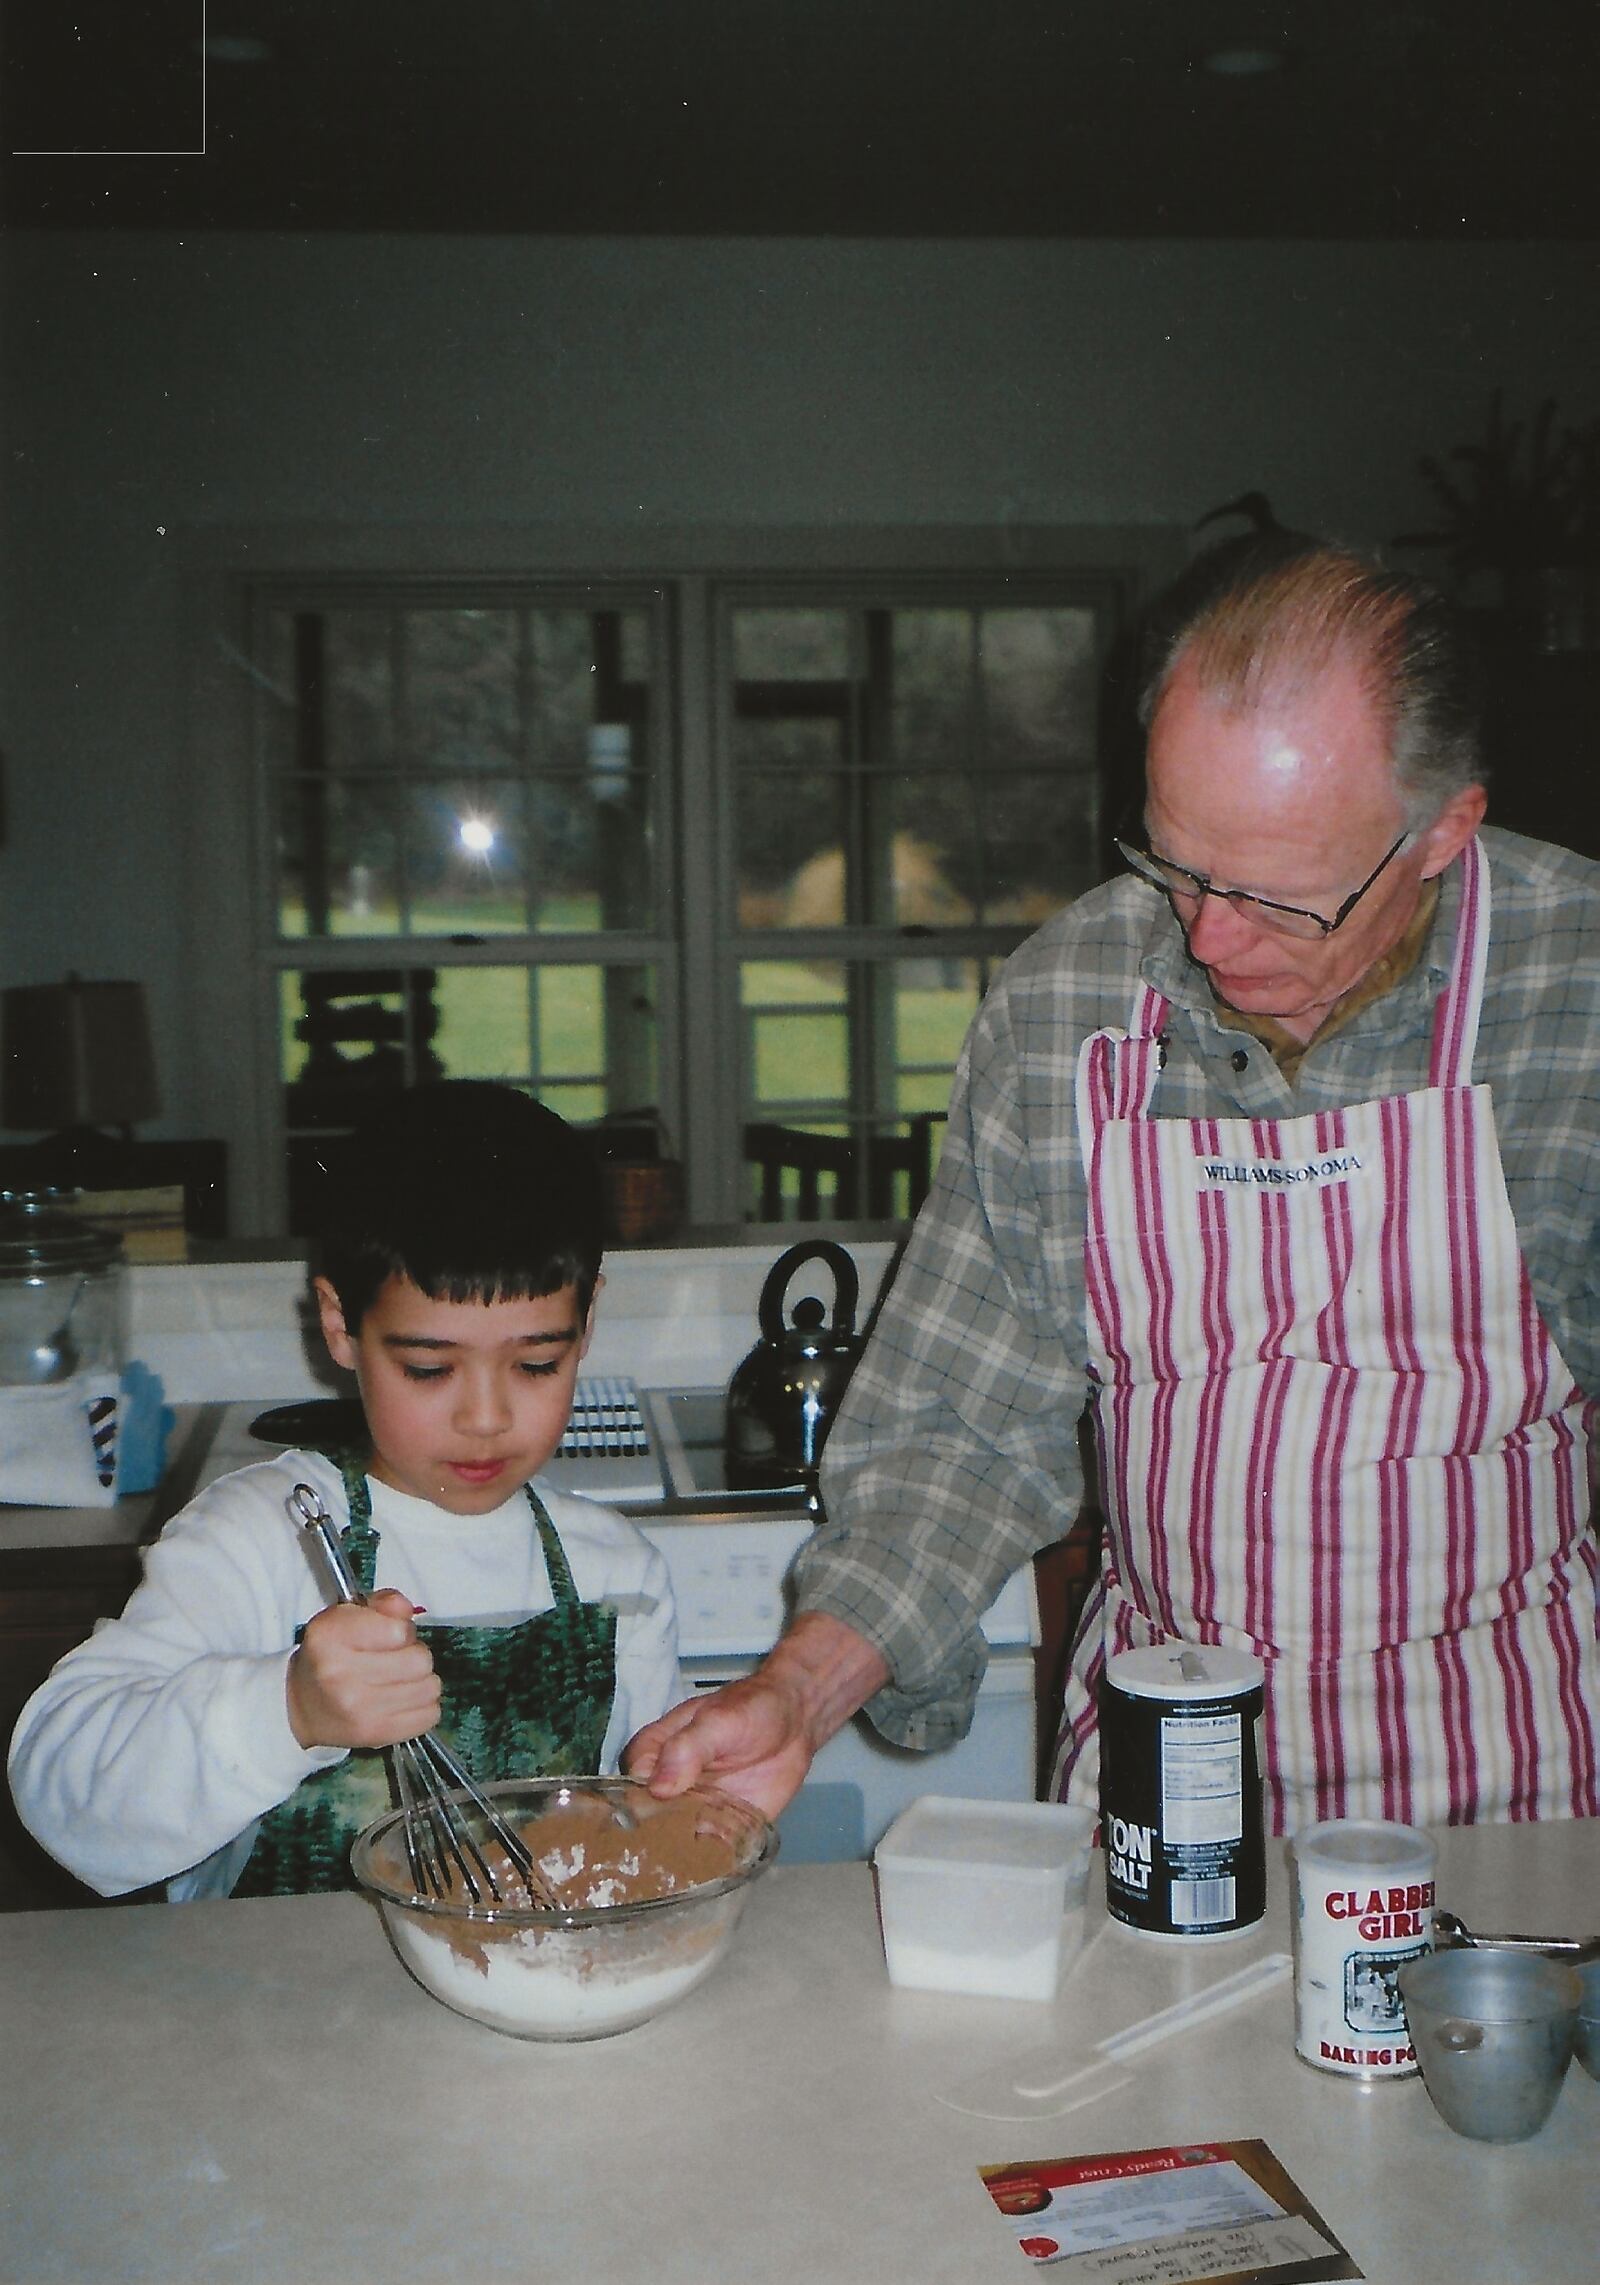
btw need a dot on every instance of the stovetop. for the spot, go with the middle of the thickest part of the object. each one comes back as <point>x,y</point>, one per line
<point>687,1424</point>
<point>638,1449</point>
<point>728,1550</point>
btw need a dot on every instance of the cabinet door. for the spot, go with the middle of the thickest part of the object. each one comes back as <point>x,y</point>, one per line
<point>39,1623</point>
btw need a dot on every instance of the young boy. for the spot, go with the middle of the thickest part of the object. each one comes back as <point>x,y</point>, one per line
<point>220,1736</point>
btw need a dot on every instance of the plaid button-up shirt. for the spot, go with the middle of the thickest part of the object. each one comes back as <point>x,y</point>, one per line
<point>955,1455</point>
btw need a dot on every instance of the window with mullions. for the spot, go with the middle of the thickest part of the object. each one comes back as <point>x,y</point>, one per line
<point>463,807</point>
<point>915,785</point>
<point>730,863</point>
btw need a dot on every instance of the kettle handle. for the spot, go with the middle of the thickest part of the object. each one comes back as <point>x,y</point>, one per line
<point>846,1288</point>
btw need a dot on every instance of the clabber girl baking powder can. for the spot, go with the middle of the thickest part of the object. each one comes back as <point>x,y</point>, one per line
<point>1363,1906</point>
<point>1180,1791</point>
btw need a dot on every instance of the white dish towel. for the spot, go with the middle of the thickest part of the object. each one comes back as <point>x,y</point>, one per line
<point>58,1444</point>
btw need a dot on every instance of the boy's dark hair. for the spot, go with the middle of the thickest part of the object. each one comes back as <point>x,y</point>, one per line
<point>472,1191</point>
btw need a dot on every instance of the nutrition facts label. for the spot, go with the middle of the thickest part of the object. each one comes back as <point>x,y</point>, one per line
<point>1202,1802</point>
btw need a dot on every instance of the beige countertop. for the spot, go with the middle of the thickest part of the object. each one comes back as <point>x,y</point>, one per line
<point>257,2091</point>
<point>126,1522</point>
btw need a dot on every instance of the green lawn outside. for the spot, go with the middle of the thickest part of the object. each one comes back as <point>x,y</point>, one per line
<point>485,1023</point>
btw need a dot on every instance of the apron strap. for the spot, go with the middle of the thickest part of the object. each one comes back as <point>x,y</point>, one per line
<point>1117,1071</point>
<point>358,1536</point>
<point>562,1584</point>
<point>1455,1023</point>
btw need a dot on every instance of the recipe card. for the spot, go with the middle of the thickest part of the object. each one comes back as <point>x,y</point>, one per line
<point>1210,2213</point>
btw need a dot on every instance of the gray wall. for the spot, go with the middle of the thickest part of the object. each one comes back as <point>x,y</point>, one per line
<point>157,389</point>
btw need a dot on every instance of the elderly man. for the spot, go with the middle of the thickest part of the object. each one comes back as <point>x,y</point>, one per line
<point>1286,1152</point>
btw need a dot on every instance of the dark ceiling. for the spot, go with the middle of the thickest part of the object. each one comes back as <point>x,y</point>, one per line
<point>1388,119</point>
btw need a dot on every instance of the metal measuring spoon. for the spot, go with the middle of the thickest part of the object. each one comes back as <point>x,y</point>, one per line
<point>1448,1932</point>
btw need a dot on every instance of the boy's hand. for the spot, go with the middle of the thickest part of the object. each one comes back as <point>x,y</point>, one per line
<point>362,1676</point>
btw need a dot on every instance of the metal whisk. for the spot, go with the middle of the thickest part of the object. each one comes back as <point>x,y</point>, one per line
<point>429,1781</point>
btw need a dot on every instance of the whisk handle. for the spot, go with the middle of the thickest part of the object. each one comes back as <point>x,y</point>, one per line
<point>308,1511</point>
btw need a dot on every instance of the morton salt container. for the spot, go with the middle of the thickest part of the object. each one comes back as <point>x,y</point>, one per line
<point>1363,1907</point>
<point>1180,1791</point>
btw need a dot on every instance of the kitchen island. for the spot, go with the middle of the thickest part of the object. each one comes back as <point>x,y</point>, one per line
<point>258,2091</point>
<point>63,1569</point>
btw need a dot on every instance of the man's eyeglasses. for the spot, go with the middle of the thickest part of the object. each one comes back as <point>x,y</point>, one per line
<point>1185,888</point>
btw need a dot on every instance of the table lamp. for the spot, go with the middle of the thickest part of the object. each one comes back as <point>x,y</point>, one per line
<point>75,1060</point>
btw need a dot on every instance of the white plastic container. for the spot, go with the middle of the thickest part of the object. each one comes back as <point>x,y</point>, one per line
<point>985,1897</point>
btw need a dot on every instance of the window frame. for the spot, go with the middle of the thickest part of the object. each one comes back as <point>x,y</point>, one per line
<point>862,944</point>
<point>694,574</point>
<point>655,948</point>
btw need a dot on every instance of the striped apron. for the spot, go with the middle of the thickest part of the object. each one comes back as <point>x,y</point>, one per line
<point>1334,1430</point>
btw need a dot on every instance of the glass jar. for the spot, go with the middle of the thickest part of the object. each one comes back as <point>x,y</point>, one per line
<point>63,1293</point>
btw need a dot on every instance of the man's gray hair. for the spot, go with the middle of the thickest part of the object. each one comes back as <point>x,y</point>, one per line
<point>1267,615</point>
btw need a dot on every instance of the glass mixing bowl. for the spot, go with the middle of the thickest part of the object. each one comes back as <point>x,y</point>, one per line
<point>1588,2040</point>
<point>610,1958</point>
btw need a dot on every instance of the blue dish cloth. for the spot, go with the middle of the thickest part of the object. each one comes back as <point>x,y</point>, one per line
<point>144,1425</point>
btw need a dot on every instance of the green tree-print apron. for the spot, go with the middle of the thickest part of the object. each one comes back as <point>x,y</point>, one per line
<point>531,1700</point>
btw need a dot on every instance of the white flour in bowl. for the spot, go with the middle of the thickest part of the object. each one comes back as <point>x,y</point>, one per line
<point>565,1984</point>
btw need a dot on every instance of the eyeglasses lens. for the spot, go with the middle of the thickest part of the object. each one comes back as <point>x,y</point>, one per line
<point>1187,888</point>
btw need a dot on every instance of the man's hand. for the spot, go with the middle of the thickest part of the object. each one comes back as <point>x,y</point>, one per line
<point>757,1737</point>
<point>362,1676</point>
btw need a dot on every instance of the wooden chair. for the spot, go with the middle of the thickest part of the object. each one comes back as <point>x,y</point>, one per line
<point>832,1172</point>
<point>343,1009</point>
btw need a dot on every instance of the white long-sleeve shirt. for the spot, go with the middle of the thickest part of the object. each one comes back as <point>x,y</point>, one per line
<point>151,1750</point>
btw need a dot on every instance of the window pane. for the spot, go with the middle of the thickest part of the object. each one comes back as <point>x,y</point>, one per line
<point>466,858</point>
<point>1039,676</point>
<point>598,1025</point>
<point>338,858</point>
<point>790,835</point>
<point>579,1106</point>
<point>524,734</point>
<point>350,1034</point>
<point>899,1025</point>
<point>800,1057</point>
<point>799,644</point>
<point>932,713</point>
<point>934,875</point>
<point>358,689</point>
<point>553,1029</point>
<point>1039,844</point>
<point>556,1029</point>
<point>476,765</point>
<point>571,1036</point>
<point>1007,849</point>
<point>562,695</point>
<point>924,1091</point>
<point>780,983</point>
<point>461,690</point>
<point>331,676</point>
<point>797,744</point>
<point>934,1002</point>
<point>591,851</point>
<point>633,646</point>
<point>485,1023</point>
<point>277,706</point>
<point>928,818</point>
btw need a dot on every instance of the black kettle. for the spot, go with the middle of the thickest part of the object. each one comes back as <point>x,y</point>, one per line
<point>783,1396</point>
